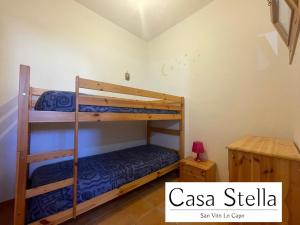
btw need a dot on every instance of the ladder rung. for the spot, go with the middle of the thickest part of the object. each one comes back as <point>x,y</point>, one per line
<point>48,188</point>
<point>49,155</point>
<point>165,131</point>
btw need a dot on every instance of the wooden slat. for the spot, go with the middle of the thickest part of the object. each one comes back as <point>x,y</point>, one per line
<point>48,188</point>
<point>109,101</point>
<point>33,102</point>
<point>22,145</point>
<point>37,91</point>
<point>165,131</point>
<point>55,219</point>
<point>92,117</point>
<point>58,117</point>
<point>101,199</point>
<point>165,102</point>
<point>49,155</point>
<point>51,117</point>
<point>178,103</point>
<point>30,98</point>
<point>182,131</point>
<point>75,160</point>
<point>101,86</point>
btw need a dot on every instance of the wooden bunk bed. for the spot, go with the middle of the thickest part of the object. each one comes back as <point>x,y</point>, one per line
<point>27,115</point>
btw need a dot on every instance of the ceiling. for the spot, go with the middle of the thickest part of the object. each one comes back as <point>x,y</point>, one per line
<point>145,18</point>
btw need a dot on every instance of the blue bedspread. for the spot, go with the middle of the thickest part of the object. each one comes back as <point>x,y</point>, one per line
<point>64,101</point>
<point>96,175</point>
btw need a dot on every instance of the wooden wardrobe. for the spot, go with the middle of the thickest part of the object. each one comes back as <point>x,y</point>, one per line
<point>261,159</point>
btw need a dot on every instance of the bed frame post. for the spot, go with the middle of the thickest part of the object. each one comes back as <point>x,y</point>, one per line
<point>181,130</point>
<point>75,159</point>
<point>148,132</point>
<point>22,145</point>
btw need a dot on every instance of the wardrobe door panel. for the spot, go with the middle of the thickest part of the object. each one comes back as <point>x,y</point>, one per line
<point>239,166</point>
<point>294,193</point>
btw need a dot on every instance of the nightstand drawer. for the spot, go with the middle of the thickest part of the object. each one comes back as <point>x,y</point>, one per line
<point>195,171</point>
<point>191,174</point>
<point>187,174</point>
<point>192,171</point>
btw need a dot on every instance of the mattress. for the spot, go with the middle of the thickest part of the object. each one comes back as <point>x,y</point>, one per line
<point>64,101</point>
<point>96,175</point>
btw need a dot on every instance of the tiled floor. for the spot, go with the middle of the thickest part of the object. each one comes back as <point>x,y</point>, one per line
<point>143,206</point>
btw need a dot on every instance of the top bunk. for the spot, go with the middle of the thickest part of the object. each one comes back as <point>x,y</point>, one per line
<point>48,106</point>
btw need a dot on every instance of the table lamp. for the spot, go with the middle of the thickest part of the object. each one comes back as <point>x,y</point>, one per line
<point>198,148</point>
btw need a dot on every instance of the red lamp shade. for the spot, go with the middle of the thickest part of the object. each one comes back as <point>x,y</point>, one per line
<point>198,148</point>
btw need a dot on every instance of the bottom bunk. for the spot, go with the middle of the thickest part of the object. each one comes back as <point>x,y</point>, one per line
<point>100,179</point>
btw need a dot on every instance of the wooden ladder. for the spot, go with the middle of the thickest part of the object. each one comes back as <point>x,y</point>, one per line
<point>24,158</point>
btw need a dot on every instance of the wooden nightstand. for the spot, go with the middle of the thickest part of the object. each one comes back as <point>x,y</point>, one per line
<point>192,171</point>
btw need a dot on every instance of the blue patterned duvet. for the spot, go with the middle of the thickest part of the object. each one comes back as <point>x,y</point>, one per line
<point>96,175</point>
<point>64,101</point>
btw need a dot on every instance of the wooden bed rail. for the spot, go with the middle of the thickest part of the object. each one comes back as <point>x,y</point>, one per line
<point>48,188</point>
<point>108,87</point>
<point>121,102</point>
<point>165,131</point>
<point>85,99</point>
<point>113,101</point>
<point>37,91</point>
<point>22,145</point>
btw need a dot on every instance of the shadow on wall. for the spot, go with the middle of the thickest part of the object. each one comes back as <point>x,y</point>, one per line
<point>164,139</point>
<point>94,138</point>
<point>8,140</point>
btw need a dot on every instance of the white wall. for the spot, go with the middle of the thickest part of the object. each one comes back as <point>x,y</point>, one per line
<point>296,103</point>
<point>233,69</point>
<point>60,39</point>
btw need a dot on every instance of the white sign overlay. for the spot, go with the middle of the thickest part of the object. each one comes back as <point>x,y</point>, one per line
<point>223,202</point>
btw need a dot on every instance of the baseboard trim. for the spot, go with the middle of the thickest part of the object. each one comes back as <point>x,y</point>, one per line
<point>7,203</point>
<point>7,212</point>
